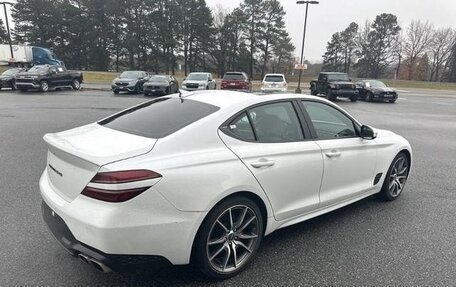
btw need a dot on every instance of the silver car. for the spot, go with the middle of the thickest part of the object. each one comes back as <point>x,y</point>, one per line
<point>199,81</point>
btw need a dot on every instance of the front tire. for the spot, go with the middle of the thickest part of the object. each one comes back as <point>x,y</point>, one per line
<point>44,86</point>
<point>116,92</point>
<point>229,238</point>
<point>76,85</point>
<point>329,95</point>
<point>353,98</point>
<point>396,178</point>
<point>369,97</point>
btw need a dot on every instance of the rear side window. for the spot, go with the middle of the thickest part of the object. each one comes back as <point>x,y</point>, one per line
<point>242,129</point>
<point>274,79</point>
<point>276,122</point>
<point>159,118</point>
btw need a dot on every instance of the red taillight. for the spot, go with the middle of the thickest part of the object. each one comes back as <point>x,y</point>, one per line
<point>124,176</point>
<point>119,186</point>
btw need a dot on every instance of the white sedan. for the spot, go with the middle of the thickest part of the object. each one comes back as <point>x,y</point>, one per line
<point>203,178</point>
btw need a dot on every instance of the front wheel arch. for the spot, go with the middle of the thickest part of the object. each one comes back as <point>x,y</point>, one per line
<point>250,195</point>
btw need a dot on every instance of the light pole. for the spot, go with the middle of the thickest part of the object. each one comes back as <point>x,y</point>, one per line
<point>298,89</point>
<point>7,27</point>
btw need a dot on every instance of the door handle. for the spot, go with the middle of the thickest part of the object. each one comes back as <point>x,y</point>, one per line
<point>333,153</point>
<point>262,163</point>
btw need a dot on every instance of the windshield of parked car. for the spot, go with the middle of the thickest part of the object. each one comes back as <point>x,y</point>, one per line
<point>38,69</point>
<point>11,72</point>
<point>338,78</point>
<point>375,84</point>
<point>274,79</point>
<point>130,74</point>
<point>197,77</point>
<point>158,78</point>
<point>159,118</point>
<point>234,77</point>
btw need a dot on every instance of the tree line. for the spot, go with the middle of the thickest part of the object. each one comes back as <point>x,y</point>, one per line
<point>158,35</point>
<point>383,49</point>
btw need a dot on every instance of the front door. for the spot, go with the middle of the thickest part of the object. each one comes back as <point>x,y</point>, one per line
<point>270,141</point>
<point>349,160</point>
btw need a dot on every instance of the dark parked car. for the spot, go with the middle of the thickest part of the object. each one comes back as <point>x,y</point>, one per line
<point>334,85</point>
<point>236,81</point>
<point>375,90</point>
<point>130,81</point>
<point>8,80</point>
<point>161,85</point>
<point>45,77</point>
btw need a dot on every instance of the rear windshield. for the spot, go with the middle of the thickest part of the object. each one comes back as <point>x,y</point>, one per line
<point>159,118</point>
<point>234,77</point>
<point>274,79</point>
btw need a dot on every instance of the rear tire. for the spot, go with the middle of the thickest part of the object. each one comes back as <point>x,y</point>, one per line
<point>13,86</point>
<point>229,237</point>
<point>353,98</point>
<point>395,178</point>
<point>44,86</point>
<point>313,90</point>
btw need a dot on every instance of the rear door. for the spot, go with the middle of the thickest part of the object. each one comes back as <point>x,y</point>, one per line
<point>272,141</point>
<point>349,160</point>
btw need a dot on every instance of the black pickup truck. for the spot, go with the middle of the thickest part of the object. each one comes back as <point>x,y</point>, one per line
<point>334,85</point>
<point>44,77</point>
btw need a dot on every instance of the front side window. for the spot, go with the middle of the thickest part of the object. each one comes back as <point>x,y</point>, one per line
<point>276,122</point>
<point>328,122</point>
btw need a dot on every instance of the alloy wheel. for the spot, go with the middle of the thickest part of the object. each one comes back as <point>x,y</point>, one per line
<point>398,176</point>
<point>232,238</point>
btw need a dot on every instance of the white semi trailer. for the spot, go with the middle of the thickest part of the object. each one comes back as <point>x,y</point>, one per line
<point>24,55</point>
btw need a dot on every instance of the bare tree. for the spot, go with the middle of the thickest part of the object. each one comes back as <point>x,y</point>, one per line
<point>442,41</point>
<point>418,38</point>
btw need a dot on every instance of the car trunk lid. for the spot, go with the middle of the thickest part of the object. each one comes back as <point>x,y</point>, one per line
<point>76,155</point>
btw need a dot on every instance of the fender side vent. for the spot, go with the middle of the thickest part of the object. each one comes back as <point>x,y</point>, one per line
<point>377,178</point>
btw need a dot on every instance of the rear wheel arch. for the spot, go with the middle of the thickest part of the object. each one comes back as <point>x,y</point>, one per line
<point>246,194</point>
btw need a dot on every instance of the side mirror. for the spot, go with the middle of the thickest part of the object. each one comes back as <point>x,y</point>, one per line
<point>368,133</point>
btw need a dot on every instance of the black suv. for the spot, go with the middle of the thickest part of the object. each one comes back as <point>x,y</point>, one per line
<point>333,85</point>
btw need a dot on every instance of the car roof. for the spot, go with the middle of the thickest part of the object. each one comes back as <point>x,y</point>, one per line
<point>281,75</point>
<point>224,99</point>
<point>333,73</point>
<point>204,73</point>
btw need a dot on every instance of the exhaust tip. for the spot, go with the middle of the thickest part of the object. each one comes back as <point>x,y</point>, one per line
<point>94,263</point>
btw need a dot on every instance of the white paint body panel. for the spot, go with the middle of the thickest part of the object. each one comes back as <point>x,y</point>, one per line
<point>201,166</point>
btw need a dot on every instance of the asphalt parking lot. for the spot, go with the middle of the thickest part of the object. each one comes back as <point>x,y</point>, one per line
<point>410,241</point>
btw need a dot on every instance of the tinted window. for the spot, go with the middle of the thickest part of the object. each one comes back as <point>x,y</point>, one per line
<point>241,128</point>
<point>234,76</point>
<point>329,123</point>
<point>130,75</point>
<point>274,79</point>
<point>197,77</point>
<point>276,122</point>
<point>338,78</point>
<point>159,118</point>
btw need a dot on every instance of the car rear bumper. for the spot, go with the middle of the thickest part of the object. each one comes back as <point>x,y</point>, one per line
<point>116,262</point>
<point>147,225</point>
<point>239,89</point>
<point>272,90</point>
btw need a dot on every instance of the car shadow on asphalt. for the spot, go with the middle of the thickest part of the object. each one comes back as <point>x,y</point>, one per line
<point>275,246</point>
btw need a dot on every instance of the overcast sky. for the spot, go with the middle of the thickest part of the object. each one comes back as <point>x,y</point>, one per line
<point>331,16</point>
